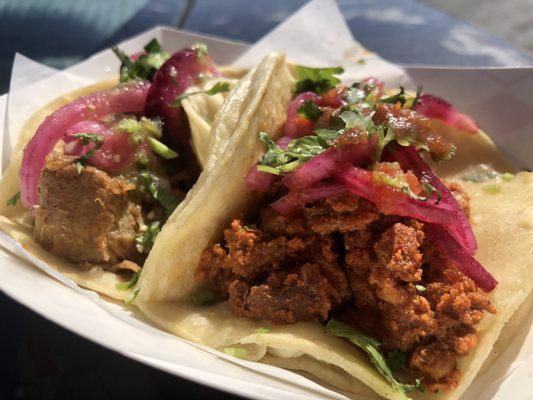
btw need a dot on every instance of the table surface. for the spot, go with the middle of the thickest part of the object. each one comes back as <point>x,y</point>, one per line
<point>41,360</point>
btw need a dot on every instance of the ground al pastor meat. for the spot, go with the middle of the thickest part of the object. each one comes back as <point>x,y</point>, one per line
<point>341,258</point>
<point>88,217</point>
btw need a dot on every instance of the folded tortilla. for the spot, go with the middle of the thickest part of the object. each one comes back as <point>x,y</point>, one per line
<point>200,109</point>
<point>502,222</point>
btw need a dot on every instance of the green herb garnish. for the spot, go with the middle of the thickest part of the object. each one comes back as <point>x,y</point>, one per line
<point>397,98</point>
<point>262,329</point>
<point>161,149</point>
<point>131,283</point>
<point>316,80</point>
<point>219,87</point>
<point>145,242</point>
<point>238,352</point>
<point>141,129</point>
<point>12,201</point>
<point>163,196</point>
<point>87,138</point>
<point>145,66</point>
<point>405,99</point>
<point>310,110</point>
<point>277,161</point>
<point>371,347</point>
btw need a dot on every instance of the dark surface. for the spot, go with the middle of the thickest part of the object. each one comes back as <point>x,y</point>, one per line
<point>43,361</point>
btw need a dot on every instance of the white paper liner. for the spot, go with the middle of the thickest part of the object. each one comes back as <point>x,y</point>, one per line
<point>316,35</point>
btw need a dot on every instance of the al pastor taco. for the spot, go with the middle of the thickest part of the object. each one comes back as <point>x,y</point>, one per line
<point>366,236</point>
<point>96,173</point>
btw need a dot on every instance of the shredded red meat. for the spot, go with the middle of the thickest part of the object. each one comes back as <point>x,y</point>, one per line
<point>341,258</point>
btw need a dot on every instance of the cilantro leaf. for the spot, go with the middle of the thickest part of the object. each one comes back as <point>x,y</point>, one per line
<point>310,110</point>
<point>397,98</point>
<point>371,347</point>
<point>277,161</point>
<point>145,66</point>
<point>405,99</point>
<point>153,46</point>
<point>145,242</point>
<point>87,138</point>
<point>158,193</point>
<point>316,80</point>
<point>219,87</point>
<point>131,283</point>
<point>12,201</point>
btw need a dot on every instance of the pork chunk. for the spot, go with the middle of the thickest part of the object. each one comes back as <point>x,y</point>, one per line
<point>87,217</point>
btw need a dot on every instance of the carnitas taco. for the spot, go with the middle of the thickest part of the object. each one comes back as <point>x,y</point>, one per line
<point>96,173</point>
<point>366,236</point>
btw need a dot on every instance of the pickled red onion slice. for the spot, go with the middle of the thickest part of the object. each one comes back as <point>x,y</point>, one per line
<point>434,107</point>
<point>73,145</point>
<point>129,98</point>
<point>326,163</point>
<point>296,198</point>
<point>174,77</point>
<point>451,248</point>
<point>261,181</point>
<point>359,181</point>
<point>296,125</point>
<point>410,159</point>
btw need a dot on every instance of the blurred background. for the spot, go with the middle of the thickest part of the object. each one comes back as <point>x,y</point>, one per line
<point>61,32</point>
<point>43,361</point>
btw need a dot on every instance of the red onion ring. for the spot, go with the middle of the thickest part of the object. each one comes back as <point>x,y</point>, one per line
<point>129,98</point>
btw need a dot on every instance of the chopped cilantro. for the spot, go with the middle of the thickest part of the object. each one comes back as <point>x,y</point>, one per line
<point>201,48</point>
<point>146,65</point>
<point>131,283</point>
<point>12,201</point>
<point>405,99</point>
<point>397,98</point>
<point>87,138</point>
<point>262,329</point>
<point>371,347</point>
<point>316,80</point>
<point>278,161</point>
<point>310,110</point>
<point>238,352</point>
<point>141,129</point>
<point>145,242</point>
<point>163,196</point>
<point>219,87</point>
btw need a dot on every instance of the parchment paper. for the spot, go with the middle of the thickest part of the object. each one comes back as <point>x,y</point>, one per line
<point>316,35</point>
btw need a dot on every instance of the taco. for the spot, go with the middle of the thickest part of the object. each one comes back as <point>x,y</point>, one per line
<point>96,173</point>
<point>368,237</point>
